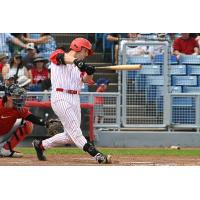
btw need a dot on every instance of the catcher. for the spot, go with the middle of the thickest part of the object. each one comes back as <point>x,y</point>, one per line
<point>15,120</point>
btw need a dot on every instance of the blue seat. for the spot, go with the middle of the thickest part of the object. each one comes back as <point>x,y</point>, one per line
<point>155,80</point>
<point>176,89</point>
<point>183,115</point>
<point>132,74</point>
<point>184,80</point>
<point>190,89</point>
<point>193,69</point>
<point>139,59</point>
<point>150,70</point>
<point>140,82</point>
<point>159,59</point>
<point>183,110</point>
<point>190,59</point>
<point>183,101</point>
<point>178,70</point>
<point>153,92</point>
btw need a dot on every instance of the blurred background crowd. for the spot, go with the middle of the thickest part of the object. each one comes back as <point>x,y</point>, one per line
<point>24,57</point>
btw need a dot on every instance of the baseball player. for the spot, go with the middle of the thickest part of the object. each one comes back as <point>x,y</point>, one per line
<point>67,78</point>
<point>15,120</point>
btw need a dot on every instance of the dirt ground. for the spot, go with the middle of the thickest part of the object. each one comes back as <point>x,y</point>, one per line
<point>85,160</point>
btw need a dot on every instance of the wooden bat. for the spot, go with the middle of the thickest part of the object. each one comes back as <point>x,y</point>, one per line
<point>121,67</point>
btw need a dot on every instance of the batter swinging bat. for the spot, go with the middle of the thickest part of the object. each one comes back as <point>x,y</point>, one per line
<point>121,67</point>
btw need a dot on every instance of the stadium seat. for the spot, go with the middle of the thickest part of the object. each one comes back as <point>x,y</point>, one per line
<point>139,59</point>
<point>155,80</point>
<point>184,80</point>
<point>140,82</point>
<point>182,101</point>
<point>132,74</point>
<point>183,110</point>
<point>189,89</point>
<point>159,59</point>
<point>150,70</point>
<point>152,93</point>
<point>193,69</point>
<point>190,59</point>
<point>176,89</point>
<point>178,70</point>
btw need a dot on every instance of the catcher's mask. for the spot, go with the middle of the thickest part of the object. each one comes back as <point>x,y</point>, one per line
<point>18,95</point>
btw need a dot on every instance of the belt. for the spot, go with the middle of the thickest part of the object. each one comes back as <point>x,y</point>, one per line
<point>68,91</point>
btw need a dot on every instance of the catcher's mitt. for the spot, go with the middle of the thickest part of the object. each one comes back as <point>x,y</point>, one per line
<point>54,126</point>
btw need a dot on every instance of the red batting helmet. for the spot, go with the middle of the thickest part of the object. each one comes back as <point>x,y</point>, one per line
<point>78,43</point>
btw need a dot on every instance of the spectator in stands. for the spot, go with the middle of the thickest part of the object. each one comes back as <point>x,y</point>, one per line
<point>5,39</point>
<point>136,50</point>
<point>14,49</point>
<point>23,81</point>
<point>157,49</point>
<point>115,38</point>
<point>16,68</point>
<point>45,43</point>
<point>3,62</point>
<point>38,73</point>
<point>185,45</point>
<point>31,53</point>
<point>102,85</point>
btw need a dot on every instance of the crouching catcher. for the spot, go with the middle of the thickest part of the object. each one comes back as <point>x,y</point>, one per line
<point>16,121</point>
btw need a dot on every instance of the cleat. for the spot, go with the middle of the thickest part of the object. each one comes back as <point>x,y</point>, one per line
<point>103,159</point>
<point>8,153</point>
<point>40,152</point>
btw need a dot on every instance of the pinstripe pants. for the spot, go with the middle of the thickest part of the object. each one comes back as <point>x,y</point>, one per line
<point>67,108</point>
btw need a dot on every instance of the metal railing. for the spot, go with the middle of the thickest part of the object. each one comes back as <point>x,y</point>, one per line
<point>106,106</point>
<point>141,106</point>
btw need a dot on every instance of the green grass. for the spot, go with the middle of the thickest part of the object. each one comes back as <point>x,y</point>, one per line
<point>120,151</point>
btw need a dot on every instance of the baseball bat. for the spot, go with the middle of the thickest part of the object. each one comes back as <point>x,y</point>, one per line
<point>121,67</point>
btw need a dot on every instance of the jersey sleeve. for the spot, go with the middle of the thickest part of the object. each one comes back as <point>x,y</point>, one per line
<point>24,113</point>
<point>54,55</point>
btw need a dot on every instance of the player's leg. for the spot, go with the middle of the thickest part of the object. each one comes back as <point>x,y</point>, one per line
<point>71,124</point>
<point>14,137</point>
<point>56,140</point>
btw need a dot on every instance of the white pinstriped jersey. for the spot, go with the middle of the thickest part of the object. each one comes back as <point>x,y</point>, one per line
<point>66,106</point>
<point>67,77</point>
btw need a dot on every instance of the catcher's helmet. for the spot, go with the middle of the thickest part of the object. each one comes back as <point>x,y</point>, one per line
<point>78,43</point>
<point>18,95</point>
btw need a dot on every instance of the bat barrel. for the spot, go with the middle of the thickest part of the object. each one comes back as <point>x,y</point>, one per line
<point>121,67</point>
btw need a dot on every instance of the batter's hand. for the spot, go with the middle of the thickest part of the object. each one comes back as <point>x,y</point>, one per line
<point>80,64</point>
<point>90,69</point>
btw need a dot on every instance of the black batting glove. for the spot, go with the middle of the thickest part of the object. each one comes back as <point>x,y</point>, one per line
<point>60,59</point>
<point>80,64</point>
<point>90,69</point>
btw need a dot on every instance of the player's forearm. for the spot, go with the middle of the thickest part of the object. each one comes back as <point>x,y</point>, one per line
<point>36,120</point>
<point>87,78</point>
<point>18,42</point>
